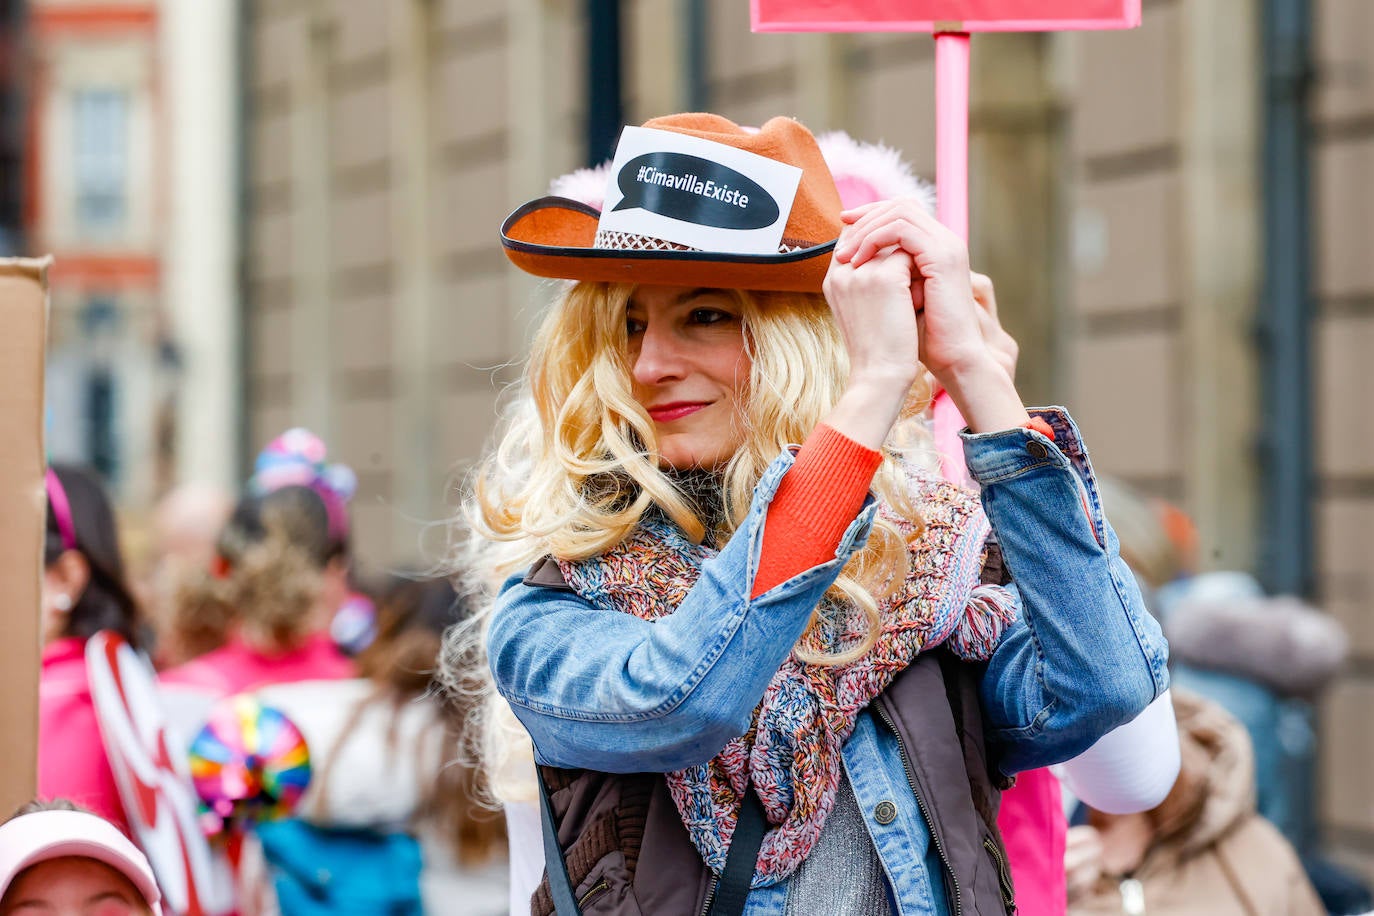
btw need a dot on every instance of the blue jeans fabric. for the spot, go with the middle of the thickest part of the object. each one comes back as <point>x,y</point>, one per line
<point>603,690</point>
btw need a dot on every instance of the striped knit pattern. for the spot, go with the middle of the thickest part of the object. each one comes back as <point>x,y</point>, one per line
<point>791,754</point>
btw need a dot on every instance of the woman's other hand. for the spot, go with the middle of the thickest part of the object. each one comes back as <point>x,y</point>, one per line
<point>1004,348</point>
<point>871,305</point>
<point>1082,861</point>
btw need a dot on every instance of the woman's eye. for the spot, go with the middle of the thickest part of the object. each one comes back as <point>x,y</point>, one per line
<point>633,326</point>
<point>709,316</point>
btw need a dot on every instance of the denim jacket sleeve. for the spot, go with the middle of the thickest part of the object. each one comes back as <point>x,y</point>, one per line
<point>600,689</point>
<point>1084,656</point>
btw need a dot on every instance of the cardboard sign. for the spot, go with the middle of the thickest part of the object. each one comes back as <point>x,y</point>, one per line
<point>23,514</point>
<point>943,15</point>
<point>152,772</point>
<point>697,193</point>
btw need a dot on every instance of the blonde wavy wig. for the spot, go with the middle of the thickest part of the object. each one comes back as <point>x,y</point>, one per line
<point>575,468</point>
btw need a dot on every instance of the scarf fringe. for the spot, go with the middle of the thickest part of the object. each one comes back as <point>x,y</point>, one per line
<point>990,610</point>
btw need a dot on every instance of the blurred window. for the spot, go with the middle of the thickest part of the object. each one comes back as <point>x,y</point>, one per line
<point>100,328</point>
<point>100,140</point>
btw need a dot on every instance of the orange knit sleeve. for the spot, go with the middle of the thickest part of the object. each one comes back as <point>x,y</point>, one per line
<point>816,502</point>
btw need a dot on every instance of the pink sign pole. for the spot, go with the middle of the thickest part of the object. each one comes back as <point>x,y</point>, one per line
<point>952,50</point>
<point>951,130</point>
<point>942,15</point>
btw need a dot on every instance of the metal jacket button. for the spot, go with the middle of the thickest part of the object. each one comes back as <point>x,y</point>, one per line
<point>885,812</point>
<point>1037,449</point>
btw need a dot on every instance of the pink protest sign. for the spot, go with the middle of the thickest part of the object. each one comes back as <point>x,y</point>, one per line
<point>942,15</point>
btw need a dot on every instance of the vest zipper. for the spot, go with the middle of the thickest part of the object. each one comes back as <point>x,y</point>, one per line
<point>1003,876</point>
<point>710,895</point>
<point>595,889</point>
<point>920,803</point>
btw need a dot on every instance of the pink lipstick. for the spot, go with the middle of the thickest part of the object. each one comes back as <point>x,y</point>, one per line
<point>667,413</point>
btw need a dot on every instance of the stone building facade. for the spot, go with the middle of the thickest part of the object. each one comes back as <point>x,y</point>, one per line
<point>1342,149</point>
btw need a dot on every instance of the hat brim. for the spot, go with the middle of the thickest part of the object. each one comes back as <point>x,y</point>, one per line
<point>45,835</point>
<point>553,237</point>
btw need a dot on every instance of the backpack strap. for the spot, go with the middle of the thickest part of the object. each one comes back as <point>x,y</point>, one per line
<point>560,885</point>
<point>733,888</point>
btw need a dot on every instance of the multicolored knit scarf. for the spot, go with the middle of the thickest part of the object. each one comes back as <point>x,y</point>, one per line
<point>791,755</point>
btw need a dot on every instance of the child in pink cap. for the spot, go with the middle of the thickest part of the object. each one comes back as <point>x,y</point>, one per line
<point>56,859</point>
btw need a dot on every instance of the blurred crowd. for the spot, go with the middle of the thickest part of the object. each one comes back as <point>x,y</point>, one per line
<point>254,596</point>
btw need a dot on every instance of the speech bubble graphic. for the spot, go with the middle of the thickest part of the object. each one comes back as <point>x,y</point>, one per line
<point>695,190</point>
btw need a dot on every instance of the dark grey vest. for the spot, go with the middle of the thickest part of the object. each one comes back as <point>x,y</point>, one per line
<point>628,853</point>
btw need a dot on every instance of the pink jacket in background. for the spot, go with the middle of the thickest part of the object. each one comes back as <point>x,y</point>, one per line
<point>1034,828</point>
<point>71,757</point>
<point>237,666</point>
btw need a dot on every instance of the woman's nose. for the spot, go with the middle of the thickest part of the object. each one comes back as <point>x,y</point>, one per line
<point>660,356</point>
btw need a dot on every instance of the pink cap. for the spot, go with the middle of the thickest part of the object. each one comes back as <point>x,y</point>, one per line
<point>44,835</point>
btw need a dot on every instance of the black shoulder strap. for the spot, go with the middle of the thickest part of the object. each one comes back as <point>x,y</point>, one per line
<point>560,885</point>
<point>733,887</point>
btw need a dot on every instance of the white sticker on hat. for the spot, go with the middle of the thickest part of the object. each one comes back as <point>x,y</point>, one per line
<point>697,192</point>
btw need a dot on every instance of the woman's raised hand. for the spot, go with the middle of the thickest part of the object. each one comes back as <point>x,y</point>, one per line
<point>951,340</point>
<point>871,304</point>
<point>941,288</point>
<point>1003,346</point>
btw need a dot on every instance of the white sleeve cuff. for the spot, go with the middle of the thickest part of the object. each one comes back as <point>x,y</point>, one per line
<point>1131,768</point>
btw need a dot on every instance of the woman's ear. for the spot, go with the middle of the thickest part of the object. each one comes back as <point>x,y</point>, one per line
<point>71,573</point>
<point>64,582</point>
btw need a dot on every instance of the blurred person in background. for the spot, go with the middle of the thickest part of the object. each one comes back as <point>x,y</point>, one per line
<point>84,591</point>
<point>58,860</point>
<point>387,777</point>
<point>280,573</point>
<point>1264,659</point>
<point>1204,850</point>
<point>186,527</point>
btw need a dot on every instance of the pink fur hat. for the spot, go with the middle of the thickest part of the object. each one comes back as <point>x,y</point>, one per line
<point>868,172</point>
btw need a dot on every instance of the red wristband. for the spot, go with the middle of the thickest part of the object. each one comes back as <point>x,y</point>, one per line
<point>1040,426</point>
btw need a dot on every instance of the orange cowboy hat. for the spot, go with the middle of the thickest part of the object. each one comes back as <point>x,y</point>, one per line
<point>563,238</point>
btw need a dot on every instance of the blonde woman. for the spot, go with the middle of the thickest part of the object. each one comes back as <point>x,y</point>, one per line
<point>765,677</point>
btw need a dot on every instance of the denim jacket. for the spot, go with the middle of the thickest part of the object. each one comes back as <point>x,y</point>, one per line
<point>602,690</point>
